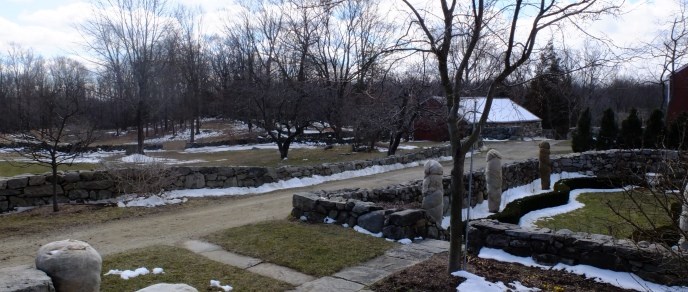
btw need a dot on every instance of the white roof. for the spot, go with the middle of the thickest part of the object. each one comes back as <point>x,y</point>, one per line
<point>503,110</point>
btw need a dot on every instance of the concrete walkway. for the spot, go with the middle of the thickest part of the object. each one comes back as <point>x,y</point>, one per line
<point>356,278</point>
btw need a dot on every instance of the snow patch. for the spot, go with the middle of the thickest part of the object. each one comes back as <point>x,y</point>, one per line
<point>476,283</point>
<point>329,220</point>
<point>128,274</point>
<point>364,231</point>
<point>157,271</point>
<point>217,284</point>
<point>405,241</point>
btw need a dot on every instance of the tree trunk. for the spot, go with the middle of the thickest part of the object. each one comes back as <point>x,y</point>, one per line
<point>193,133</point>
<point>198,125</point>
<point>284,148</point>
<point>394,143</point>
<point>457,195</point>
<point>54,184</point>
<point>139,128</point>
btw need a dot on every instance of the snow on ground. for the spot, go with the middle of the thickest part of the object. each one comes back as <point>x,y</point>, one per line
<point>143,159</point>
<point>17,210</point>
<point>150,201</point>
<point>476,283</point>
<point>528,220</point>
<point>217,284</point>
<point>10,150</point>
<point>213,149</point>
<point>366,232</point>
<point>400,147</point>
<point>96,157</point>
<point>128,274</point>
<point>618,279</point>
<point>186,135</point>
<point>510,195</point>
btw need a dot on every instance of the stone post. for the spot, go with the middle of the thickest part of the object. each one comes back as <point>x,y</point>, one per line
<point>545,166</point>
<point>493,179</point>
<point>433,191</point>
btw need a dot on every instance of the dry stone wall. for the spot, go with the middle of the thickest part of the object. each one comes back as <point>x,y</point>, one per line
<point>649,261</point>
<point>316,206</point>
<point>83,186</point>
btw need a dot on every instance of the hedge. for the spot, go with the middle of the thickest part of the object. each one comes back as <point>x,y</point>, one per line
<point>513,211</point>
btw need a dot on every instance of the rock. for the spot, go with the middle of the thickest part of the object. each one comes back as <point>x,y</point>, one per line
<point>493,179</point>
<point>3,184</point>
<point>71,177</point>
<point>17,183</point>
<point>406,217</point>
<point>25,279</point>
<point>95,185</point>
<point>72,265</point>
<point>36,180</point>
<point>194,181</point>
<point>363,207</point>
<point>304,201</point>
<point>373,221</point>
<point>164,287</point>
<point>433,191</point>
<point>42,191</point>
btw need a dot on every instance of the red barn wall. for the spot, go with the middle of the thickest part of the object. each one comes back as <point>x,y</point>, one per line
<point>678,89</point>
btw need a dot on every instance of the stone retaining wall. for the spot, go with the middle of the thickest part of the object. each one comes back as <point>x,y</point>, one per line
<point>36,190</point>
<point>651,262</point>
<point>316,206</point>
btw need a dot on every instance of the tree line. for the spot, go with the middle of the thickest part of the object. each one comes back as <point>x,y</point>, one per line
<point>282,67</point>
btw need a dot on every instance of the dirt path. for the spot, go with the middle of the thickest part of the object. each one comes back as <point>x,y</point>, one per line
<point>176,227</point>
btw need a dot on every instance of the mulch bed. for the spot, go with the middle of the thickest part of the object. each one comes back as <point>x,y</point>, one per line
<point>431,275</point>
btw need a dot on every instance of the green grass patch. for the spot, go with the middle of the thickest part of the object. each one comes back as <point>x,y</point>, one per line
<point>8,169</point>
<point>181,266</point>
<point>314,249</point>
<point>597,216</point>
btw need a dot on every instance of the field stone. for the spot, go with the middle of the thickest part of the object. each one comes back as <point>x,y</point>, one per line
<point>42,191</point>
<point>164,287</point>
<point>406,217</point>
<point>72,177</point>
<point>194,181</point>
<point>3,184</point>
<point>17,183</point>
<point>36,180</point>
<point>372,221</point>
<point>73,265</point>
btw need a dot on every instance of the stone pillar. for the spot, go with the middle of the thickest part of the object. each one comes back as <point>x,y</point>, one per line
<point>493,179</point>
<point>545,166</point>
<point>433,191</point>
<point>72,265</point>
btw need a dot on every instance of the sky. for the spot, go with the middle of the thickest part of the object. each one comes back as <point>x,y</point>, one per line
<point>49,27</point>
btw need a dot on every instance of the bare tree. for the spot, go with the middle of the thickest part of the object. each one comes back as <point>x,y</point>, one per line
<point>471,24</point>
<point>127,33</point>
<point>65,133</point>
<point>193,62</point>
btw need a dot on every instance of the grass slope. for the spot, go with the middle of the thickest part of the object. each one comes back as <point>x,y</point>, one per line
<point>597,216</point>
<point>317,250</point>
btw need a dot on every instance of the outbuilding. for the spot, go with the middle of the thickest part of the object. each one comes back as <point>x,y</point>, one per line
<point>506,120</point>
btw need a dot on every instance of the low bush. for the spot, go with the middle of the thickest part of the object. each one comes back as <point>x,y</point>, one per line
<point>513,211</point>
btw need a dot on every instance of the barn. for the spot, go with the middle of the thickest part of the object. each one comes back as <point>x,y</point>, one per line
<point>678,93</point>
<point>506,120</point>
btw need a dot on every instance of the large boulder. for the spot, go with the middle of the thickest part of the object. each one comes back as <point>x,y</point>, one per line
<point>433,191</point>
<point>73,265</point>
<point>164,287</point>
